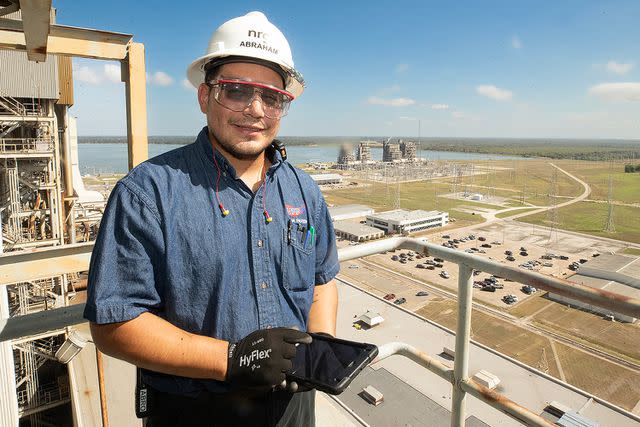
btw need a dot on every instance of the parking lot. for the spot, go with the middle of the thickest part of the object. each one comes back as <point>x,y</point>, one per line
<point>497,292</point>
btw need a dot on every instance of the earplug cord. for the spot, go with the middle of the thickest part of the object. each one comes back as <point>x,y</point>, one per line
<point>224,211</point>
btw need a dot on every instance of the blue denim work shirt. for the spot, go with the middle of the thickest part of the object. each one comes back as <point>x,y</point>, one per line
<point>164,247</point>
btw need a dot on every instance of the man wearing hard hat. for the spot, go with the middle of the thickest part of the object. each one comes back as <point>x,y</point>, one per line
<point>214,260</point>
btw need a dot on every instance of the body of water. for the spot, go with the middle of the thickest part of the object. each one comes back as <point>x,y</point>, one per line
<point>112,157</point>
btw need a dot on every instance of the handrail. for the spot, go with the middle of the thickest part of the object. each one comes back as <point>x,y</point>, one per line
<point>76,257</point>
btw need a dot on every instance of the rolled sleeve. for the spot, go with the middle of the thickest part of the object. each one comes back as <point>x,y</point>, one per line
<point>327,265</point>
<point>124,273</point>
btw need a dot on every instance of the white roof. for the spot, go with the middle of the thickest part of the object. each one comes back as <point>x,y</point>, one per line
<point>400,215</point>
<point>326,176</point>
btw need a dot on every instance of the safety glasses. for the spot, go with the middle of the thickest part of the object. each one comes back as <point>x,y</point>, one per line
<point>237,95</point>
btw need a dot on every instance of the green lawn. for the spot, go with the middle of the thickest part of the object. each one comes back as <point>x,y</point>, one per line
<point>589,218</point>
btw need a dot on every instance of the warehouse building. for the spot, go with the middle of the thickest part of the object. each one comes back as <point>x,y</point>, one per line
<point>612,263</point>
<point>356,232</point>
<point>401,221</point>
<point>339,213</point>
<point>326,178</point>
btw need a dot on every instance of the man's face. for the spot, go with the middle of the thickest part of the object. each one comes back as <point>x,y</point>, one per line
<point>245,134</point>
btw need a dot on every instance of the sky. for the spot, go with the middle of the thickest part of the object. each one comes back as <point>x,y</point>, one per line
<point>520,69</point>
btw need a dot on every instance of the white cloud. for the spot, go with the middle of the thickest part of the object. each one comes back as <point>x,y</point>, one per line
<point>86,74</point>
<point>112,73</point>
<point>516,43</point>
<point>160,78</point>
<point>618,67</point>
<point>439,107</point>
<point>401,68</point>
<point>458,115</point>
<point>626,91</point>
<point>394,102</point>
<point>407,118</point>
<point>493,92</point>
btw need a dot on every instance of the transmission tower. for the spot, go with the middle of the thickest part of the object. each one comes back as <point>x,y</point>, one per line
<point>396,199</point>
<point>553,212</point>
<point>609,227</point>
<point>543,365</point>
<point>524,188</point>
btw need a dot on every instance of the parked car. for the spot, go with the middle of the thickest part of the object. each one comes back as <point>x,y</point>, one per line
<point>354,266</point>
<point>508,253</point>
<point>444,274</point>
<point>482,239</point>
<point>510,258</point>
<point>485,245</point>
<point>403,261</point>
<point>523,253</point>
<point>446,236</point>
<point>438,260</point>
<point>420,266</point>
<point>394,257</point>
<point>389,297</point>
<point>563,257</point>
<point>582,260</point>
<point>422,294</point>
<point>528,289</point>
<point>488,288</point>
<point>400,301</point>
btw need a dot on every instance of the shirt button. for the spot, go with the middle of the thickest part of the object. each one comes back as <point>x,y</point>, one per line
<point>260,243</point>
<point>264,285</point>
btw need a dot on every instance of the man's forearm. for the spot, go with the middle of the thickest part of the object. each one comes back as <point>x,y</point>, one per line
<point>153,343</point>
<point>324,309</point>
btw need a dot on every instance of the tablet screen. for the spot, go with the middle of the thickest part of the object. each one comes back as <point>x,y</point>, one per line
<point>327,361</point>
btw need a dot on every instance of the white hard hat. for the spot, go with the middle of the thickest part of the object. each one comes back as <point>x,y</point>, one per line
<point>251,36</point>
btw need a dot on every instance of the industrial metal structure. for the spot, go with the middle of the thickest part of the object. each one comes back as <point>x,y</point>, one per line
<point>43,202</point>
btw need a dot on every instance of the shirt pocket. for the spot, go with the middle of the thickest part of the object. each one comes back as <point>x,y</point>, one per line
<point>298,262</point>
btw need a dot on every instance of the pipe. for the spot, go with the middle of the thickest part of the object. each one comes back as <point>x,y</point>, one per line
<point>461,366</point>
<point>102,390</point>
<point>490,397</point>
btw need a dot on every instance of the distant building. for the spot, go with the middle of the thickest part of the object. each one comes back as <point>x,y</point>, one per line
<point>612,263</point>
<point>356,232</point>
<point>326,178</point>
<point>339,213</point>
<point>363,153</point>
<point>391,152</point>
<point>402,221</point>
<point>408,150</point>
<point>345,155</point>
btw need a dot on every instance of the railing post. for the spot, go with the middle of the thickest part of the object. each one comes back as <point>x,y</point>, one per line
<point>461,364</point>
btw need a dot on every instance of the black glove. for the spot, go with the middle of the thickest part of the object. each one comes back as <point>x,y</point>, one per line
<point>261,359</point>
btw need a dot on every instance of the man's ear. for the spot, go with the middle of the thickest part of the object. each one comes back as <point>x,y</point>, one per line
<point>203,97</point>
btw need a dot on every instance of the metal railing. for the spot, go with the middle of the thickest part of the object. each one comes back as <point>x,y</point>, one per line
<point>76,259</point>
<point>25,145</point>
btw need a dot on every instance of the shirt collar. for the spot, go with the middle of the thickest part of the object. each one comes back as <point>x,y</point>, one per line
<point>203,140</point>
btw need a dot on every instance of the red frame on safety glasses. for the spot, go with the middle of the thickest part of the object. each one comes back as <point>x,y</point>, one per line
<point>222,97</point>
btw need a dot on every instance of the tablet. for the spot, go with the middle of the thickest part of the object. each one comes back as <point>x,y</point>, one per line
<point>330,364</point>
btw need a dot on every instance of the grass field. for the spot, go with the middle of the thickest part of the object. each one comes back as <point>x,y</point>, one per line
<point>614,383</point>
<point>621,338</point>
<point>631,251</point>
<point>625,186</point>
<point>590,218</point>
<point>507,338</point>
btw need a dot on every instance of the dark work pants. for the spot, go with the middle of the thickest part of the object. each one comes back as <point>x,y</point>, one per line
<point>273,409</point>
